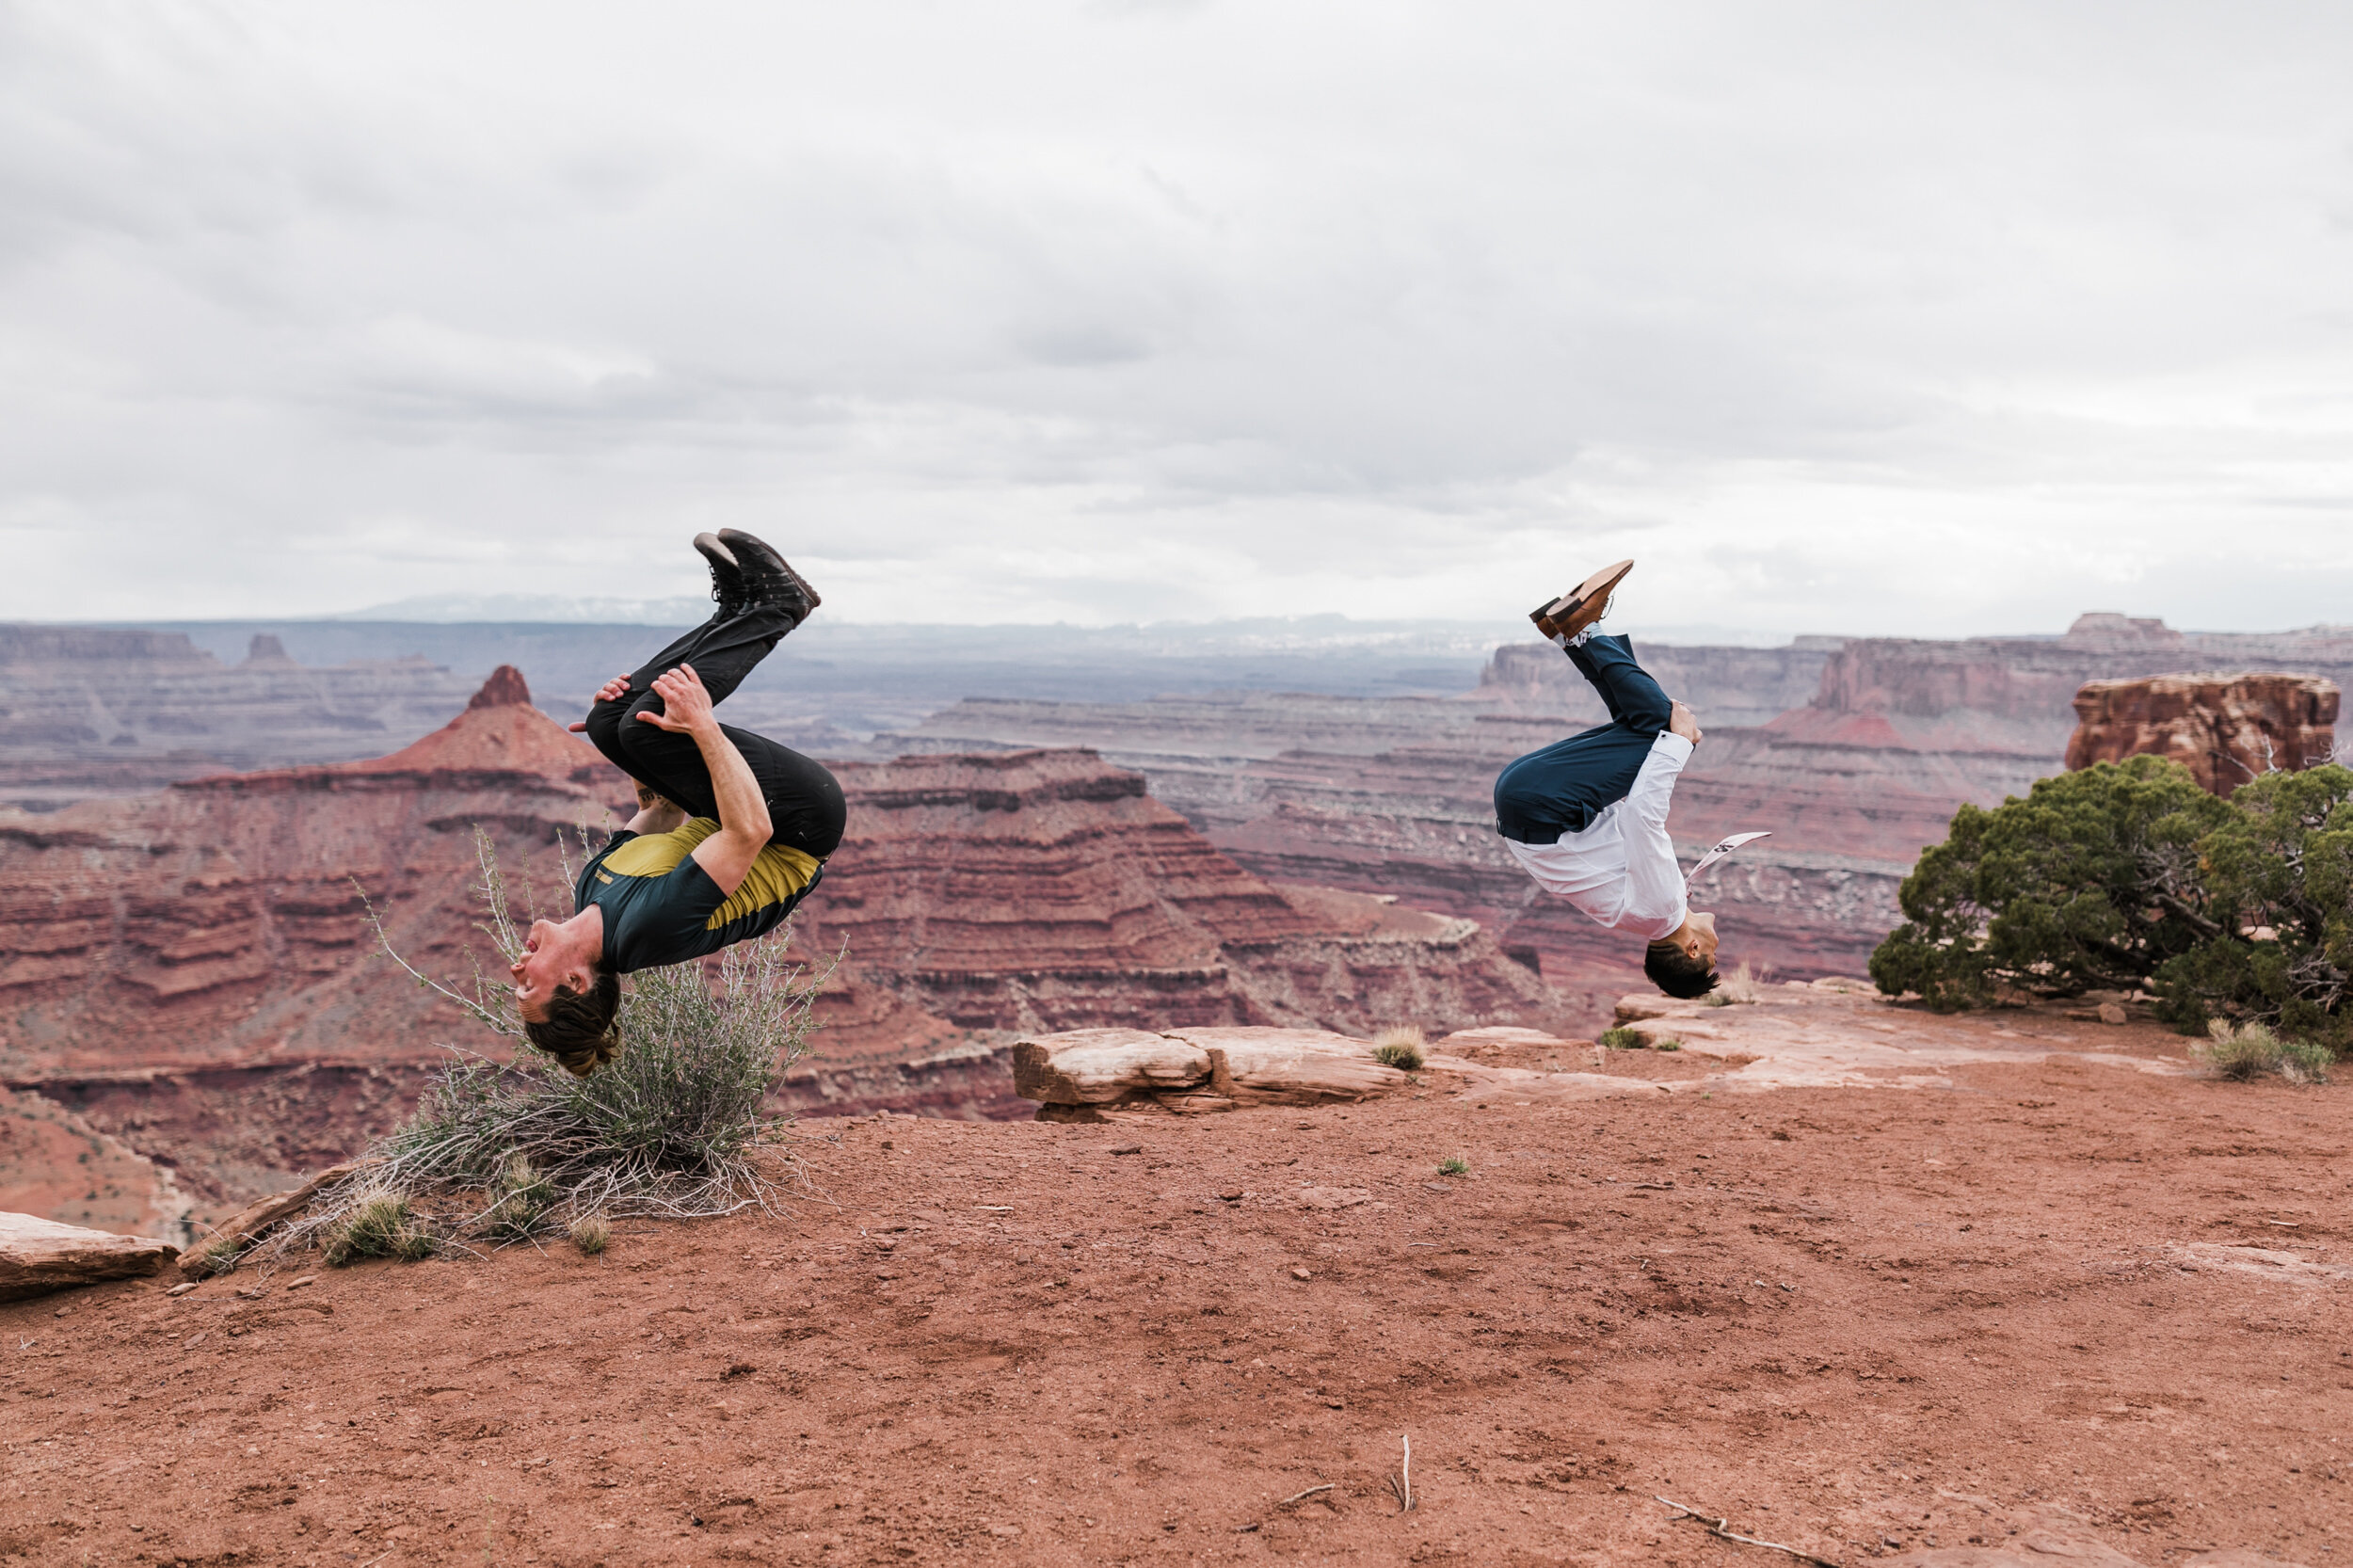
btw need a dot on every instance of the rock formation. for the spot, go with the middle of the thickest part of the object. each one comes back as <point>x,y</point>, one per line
<point>1088,1075</point>
<point>1046,890</point>
<point>2225,729</point>
<point>1855,753</point>
<point>86,710</point>
<point>39,1255</point>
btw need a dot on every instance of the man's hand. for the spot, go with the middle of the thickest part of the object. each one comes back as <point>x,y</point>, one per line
<point>687,699</point>
<point>612,691</point>
<point>1682,721</point>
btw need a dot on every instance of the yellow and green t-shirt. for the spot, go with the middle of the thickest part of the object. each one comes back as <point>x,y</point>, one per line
<point>661,908</point>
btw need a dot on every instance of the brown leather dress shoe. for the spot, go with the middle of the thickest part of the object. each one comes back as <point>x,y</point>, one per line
<point>1583,605</point>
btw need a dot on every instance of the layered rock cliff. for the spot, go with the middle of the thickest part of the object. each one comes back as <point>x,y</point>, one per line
<point>1854,753</point>
<point>1046,890</point>
<point>193,971</point>
<point>2225,729</point>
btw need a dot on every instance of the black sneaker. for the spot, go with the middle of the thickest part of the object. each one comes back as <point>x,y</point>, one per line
<point>767,579</point>
<point>726,576</point>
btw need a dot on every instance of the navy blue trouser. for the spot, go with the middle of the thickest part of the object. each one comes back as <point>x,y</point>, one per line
<point>805,804</point>
<point>1563,788</point>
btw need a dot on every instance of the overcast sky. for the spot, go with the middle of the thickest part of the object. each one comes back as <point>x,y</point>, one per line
<point>1850,318</point>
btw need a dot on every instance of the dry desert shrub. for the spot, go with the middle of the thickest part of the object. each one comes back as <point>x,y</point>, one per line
<point>590,1234</point>
<point>1621,1039</point>
<point>509,1150</point>
<point>1398,1046</point>
<point>377,1224</point>
<point>1742,988</point>
<point>2248,1051</point>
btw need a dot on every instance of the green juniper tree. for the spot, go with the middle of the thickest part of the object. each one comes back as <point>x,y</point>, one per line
<point>2127,875</point>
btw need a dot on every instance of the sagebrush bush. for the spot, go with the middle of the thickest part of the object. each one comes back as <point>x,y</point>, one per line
<point>510,1149</point>
<point>1621,1039</point>
<point>2127,875</point>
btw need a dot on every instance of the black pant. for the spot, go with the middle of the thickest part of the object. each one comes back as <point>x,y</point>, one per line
<point>804,800</point>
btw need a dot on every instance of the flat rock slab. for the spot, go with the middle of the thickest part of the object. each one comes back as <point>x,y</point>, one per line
<point>1521,1086</point>
<point>40,1255</point>
<point>1100,1075</point>
<point>1290,1066</point>
<point>1097,1067</point>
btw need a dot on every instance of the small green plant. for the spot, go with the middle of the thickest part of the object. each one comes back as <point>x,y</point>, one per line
<point>519,1201</point>
<point>591,1235</point>
<point>1666,1044</point>
<point>2253,1051</point>
<point>221,1258</point>
<point>1454,1166</point>
<point>1398,1046</point>
<point>381,1226</point>
<point>1622,1038</point>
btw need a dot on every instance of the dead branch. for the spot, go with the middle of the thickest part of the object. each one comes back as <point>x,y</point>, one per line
<point>1722,1530</point>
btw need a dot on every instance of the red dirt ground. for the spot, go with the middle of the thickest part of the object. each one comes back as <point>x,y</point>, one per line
<point>1859,1321</point>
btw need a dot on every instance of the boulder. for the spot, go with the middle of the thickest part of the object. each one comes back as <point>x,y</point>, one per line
<point>2225,729</point>
<point>1100,1067</point>
<point>1104,1075</point>
<point>1290,1066</point>
<point>41,1255</point>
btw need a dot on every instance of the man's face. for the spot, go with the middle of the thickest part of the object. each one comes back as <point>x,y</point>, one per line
<point>537,972</point>
<point>1702,942</point>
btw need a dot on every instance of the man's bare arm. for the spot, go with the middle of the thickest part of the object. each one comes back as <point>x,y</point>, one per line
<point>726,856</point>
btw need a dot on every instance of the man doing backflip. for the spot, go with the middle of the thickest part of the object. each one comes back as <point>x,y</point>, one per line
<point>1587,817</point>
<point>732,829</point>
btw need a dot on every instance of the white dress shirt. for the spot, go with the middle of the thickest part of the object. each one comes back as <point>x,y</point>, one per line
<point>1622,869</point>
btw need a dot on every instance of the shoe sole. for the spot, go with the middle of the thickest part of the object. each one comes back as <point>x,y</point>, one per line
<point>710,548</point>
<point>735,538</point>
<point>1583,605</point>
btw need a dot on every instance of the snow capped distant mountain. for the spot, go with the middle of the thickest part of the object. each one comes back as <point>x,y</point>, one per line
<point>444,609</point>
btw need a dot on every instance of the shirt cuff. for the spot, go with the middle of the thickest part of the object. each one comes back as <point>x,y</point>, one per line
<point>1673,745</point>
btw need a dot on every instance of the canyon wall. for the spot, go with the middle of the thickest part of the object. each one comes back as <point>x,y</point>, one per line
<point>2225,729</point>
<point>87,712</point>
<point>193,972</point>
<point>1854,753</point>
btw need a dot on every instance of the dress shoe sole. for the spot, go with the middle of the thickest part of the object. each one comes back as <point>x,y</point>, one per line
<point>1583,605</point>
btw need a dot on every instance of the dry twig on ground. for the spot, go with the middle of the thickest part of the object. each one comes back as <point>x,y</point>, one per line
<point>1722,1530</point>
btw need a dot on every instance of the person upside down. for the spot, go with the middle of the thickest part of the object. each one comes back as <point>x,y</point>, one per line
<point>1587,817</point>
<point>732,829</point>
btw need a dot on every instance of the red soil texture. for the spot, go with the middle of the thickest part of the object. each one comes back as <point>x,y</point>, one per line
<point>2076,1301</point>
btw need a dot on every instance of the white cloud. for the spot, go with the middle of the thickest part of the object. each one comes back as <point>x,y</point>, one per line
<point>1842,316</point>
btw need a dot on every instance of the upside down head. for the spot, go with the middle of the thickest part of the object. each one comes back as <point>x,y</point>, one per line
<point>1683,962</point>
<point>576,1027</point>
